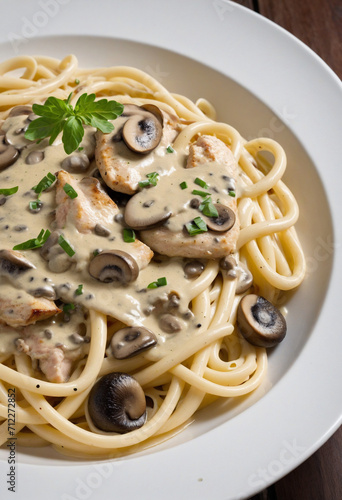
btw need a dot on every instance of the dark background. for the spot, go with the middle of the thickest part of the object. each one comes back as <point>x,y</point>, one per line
<point>317,23</point>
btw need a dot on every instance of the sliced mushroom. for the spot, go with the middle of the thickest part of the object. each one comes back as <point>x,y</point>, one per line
<point>20,110</point>
<point>142,216</point>
<point>114,265</point>
<point>260,322</point>
<point>117,403</point>
<point>8,154</point>
<point>142,132</point>
<point>76,163</point>
<point>13,263</point>
<point>131,341</point>
<point>193,269</point>
<point>44,291</point>
<point>58,259</point>
<point>224,221</point>
<point>34,157</point>
<point>169,323</point>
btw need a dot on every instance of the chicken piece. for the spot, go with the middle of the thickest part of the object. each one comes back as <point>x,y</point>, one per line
<point>212,152</point>
<point>122,169</point>
<point>54,362</point>
<point>92,207</point>
<point>21,309</point>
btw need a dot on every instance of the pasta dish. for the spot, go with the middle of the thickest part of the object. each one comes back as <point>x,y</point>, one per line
<point>145,254</point>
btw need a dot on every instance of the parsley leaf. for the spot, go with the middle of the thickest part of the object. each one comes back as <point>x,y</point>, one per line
<point>58,115</point>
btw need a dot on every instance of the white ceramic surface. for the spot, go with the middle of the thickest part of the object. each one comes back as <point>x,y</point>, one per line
<point>264,82</point>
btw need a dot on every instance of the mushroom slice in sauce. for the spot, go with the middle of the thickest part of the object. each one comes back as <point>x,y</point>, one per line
<point>193,269</point>
<point>20,110</point>
<point>131,341</point>
<point>8,154</point>
<point>117,403</point>
<point>143,132</point>
<point>144,216</point>
<point>240,272</point>
<point>260,322</point>
<point>114,265</point>
<point>13,263</point>
<point>224,221</point>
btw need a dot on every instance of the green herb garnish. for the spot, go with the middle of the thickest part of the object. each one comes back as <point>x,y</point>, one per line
<point>69,190</point>
<point>232,193</point>
<point>200,193</point>
<point>34,242</point>
<point>58,115</point>
<point>197,226</point>
<point>63,243</point>
<point>201,183</point>
<point>170,149</point>
<point>158,283</point>
<point>77,81</point>
<point>44,184</point>
<point>183,185</point>
<point>9,191</point>
<point>79,290</point>
<point>35,205</point>
<point>208,208</point>
<point>152,180</point>
<point>68,307</point>
<point>128,235</point>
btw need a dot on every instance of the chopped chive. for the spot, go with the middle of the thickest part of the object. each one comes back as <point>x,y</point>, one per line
<point>35,205</point>
<point>183,185</point>
<point>9,191</point>
<point>128,235</point>
<point>201,183</point>
<point>197,226</point>
<point>68,307</point>
<point>80,149</point>
<point>208,208</point>
<point>232,193</point>
<point>158,283</point>
<point>69,190</point>
<point>79,290</point>
<point>77,81</point>
<point>200,193</point>
<point>34,242</point>
<point>170,149</point>
<point>96,252</point>
<point>63,243</point>
<point>44,184</point>
<point>152,180</point>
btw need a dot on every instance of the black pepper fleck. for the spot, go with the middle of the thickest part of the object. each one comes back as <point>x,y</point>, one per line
<point>37,386</point>
<point>198,325</point>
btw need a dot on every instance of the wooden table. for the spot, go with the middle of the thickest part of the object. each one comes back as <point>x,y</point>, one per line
<point>317,23</point>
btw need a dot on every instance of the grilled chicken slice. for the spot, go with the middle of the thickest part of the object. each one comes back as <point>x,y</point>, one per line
<point>92,207</point>
<point>120,167</point>
<point>54,362</point>
<point>210,152</point>
<point>21,309</point>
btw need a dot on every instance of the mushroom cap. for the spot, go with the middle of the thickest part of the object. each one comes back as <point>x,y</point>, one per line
<point>260,322</point>
<point>193,269</point>
<point>145,216</point>
<point>13,262</point>
<point>20,110</point>
<point>131,341</point>
<point>117,403</point>
<point>224,221</point>
<point>114,265</point>
<point>143,130</point>
<point>8,154</point>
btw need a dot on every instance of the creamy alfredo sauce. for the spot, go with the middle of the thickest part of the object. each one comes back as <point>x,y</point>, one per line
<point>132,304</point>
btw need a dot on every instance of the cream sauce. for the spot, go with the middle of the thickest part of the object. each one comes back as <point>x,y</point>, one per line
<point>132,304</point>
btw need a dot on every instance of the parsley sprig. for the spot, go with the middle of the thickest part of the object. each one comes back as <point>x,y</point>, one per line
<point>58,115</point>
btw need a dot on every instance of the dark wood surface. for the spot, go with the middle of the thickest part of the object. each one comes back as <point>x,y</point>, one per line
<point>317,23</point>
